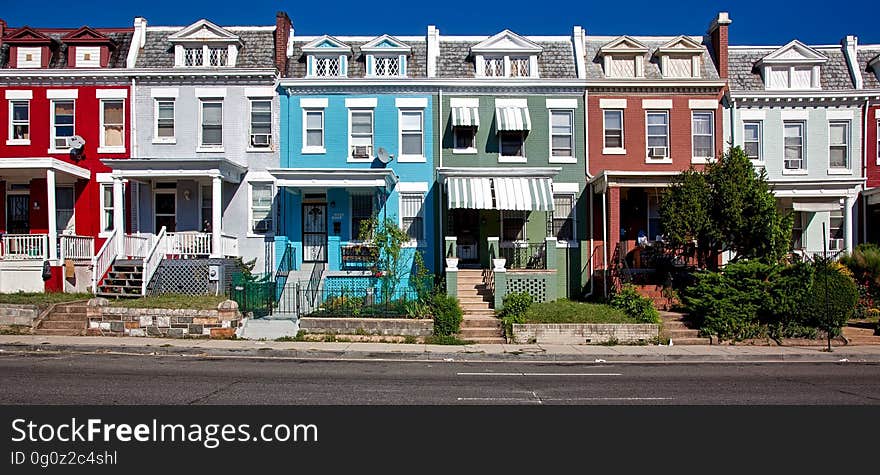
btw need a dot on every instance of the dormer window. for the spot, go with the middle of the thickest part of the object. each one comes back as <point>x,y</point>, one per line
<point>327,66</point>
<point>795,66</point>
<point>88,48</point>
<point>193,56</point>
<point>29,57</point>
<point>680,58</point>
<point>506,55</point>
<point>624,57</point>
<point>204,44</point>
<point>326,57</point>
<point>386,57</point>
<point>218,56</point>
<point>29,48</point>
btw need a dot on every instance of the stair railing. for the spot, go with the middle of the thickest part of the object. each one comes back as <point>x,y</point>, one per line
<point>103,260</point>
<point>153,259</point>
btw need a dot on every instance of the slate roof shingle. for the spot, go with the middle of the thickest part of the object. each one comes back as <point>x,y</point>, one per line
<point>745,75</point>
<point>257,50</point>
<point>556,61</point>
<point>416,63</point>
<point>118,55</point>
<point>594,69</point>
<point>864,56</point>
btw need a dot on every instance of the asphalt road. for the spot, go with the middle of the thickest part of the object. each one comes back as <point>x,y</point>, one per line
<point>116,379</point>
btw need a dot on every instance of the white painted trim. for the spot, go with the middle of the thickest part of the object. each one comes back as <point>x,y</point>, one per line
<point>104,177</point>
<point>259,92</point>
<point>656,103</point>
<point>111,149</point>
<point>409,158</point>
<point>349,158</point>
<point>502,159</point>
<point>313,149</point>
<point>795,114</point>
<point>111,93</point>
<point>52,146</point>
<point>613,151</point>
<point>568,160</point>
<point>694,158</point>
<point>565,187</point>
<point>703,104</point>
<point>250,118</point>
<point>612,103</point>
<point>361,103</point>
<point>561,159</point>
<point>473,102</point>
<point>103,148</point>
<point>200,147</point>
<point>658,161</point>
<point>877,114</point>
<point>250,206</point>
<point>62,93</point>
<point>210,92</point>
<point>313,102</point>
<point>44,163</point>
<point>799,171</point>
<point>751,114</point>
<point>156,138</point>
<point>412,187</point>
<point>164,92</point>
<point>410,102</point>
<point>10,132</point>
<point>500,102</point>
<point>622,133</point>
<point>840,114</point>
<point>839,171</point>
<point>19,94</point>
<point>562,103</point>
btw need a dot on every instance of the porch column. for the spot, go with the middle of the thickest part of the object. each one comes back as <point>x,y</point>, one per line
<point>50,209</point>
<point>848,204</point>
<point>216,216</point>
<point>119,215</point>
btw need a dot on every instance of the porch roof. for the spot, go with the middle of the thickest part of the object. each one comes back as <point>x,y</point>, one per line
<point>176,168</point>
<point>527,189</point>
<point>334,177</point>
<point>27,166</point>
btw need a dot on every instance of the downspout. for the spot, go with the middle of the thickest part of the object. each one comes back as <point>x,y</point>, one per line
<point>592,244</point>
<point>442,230</point>
<point>863,204</point>
<point>605,241</point>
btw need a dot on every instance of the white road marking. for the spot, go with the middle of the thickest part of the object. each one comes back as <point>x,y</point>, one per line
<point>538,374</point>
<point>541,401</point>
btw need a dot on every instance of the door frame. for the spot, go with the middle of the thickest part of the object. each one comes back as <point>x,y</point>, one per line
<point>326,232</point>
<point>156,214</point>
<point>10,193</point>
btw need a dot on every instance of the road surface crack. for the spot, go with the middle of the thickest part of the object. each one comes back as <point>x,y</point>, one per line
<point>212,393</point>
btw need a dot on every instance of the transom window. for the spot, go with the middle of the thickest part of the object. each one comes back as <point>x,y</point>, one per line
<point>62,123</point>
<point>563,217</point>
<point>411,133</point>
<point>386,66</point>
<point>512,143</point>
<point>703,134</point>
<point>838,143</point>
<point>328,66</point>
<point>261,123</point>
<point>794,145</point>
<point>212,124</point>
<point>613,129</point>
<point>112,123</point>
<point>658,134</point>
<point>561,133</point>
<point>361,138</point>
<point>752,131</point>
<point>411,213</point>
<point>19,120</point>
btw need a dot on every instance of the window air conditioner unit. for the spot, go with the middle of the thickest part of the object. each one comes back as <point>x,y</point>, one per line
<point>658,152</point>
<point>261,226</point>
<point>793,164</point>
<point>361,151</point>
<point>260,140</point>
<point>835,244</point>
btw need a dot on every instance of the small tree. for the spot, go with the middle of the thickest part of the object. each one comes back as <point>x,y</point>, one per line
<point>726,206</point>
<point>390,265</point>
<point>833,298</point>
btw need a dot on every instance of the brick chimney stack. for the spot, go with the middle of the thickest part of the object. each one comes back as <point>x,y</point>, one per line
<point>718,36</point>
<point>2,30</point>
<point>282,35</point>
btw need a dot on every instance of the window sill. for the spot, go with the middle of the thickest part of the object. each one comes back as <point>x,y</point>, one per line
<point>758,163</point>
<point>164,141</point>
<point>562,160</point>
<point>702,161</point>
<point>111,149</point>
<point>413,244</point>
<point>261,236</point>
<point>412,159</point>
<point>614,151</point>
<point>465,151</point>
<point>502,159</point>
<point>839,171</point>
<point>259,149</point>
<point>105,234</point>
<point>313,150</point>
<point>18,142</point>
<point>359,160</point>
<point>59,150</point>
<point>794,172</point>
<point>209,149</point>
<point>658,161</point>
<point>566,245</point>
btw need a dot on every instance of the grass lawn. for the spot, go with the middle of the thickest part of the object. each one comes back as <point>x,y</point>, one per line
<point>567,311</point>
<point>172,301</point>
<point>43,299</point>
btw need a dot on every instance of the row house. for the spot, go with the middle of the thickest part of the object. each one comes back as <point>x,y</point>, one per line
<point>798,112</point>
<point>868,71</point>
<point>66,102</point>
<point>654,109</point>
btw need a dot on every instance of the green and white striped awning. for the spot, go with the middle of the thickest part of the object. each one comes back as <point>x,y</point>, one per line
<point>514,193</point>
<point>465,117</point>
<point>512,118</point>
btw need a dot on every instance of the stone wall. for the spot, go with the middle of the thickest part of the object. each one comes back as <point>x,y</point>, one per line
<point>370,326</point>
<point>171,323</point>
<point>584,333</point>
<point>15,314</point>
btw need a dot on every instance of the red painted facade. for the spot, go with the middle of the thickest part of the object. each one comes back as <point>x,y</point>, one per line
<point>872,117</point>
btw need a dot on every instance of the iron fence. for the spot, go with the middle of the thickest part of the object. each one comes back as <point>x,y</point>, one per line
<point>255,296</point>
<point>525,256</point>
<point>351,302</point>
<point>358,256</point>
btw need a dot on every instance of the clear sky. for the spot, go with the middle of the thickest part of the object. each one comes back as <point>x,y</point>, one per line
<point>754,21</point>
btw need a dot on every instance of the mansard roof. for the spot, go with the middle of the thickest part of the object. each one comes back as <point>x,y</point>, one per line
<point>744,67</point>
<point>416,63</point>
<point>596,46</point>
<point>556,60</point>
<point>256,51</point>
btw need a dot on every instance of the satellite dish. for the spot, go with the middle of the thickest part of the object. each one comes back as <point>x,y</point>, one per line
<point>76,142</point>
<point>383,155</point>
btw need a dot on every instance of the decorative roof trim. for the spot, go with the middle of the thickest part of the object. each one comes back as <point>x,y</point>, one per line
<point>520,44</point>
<point>691,46</point>
<point>373,45</point>
<point>224,35</point>
<point>78,37</point>
<point>312,46</point>
<point>811,56</point>
<point>615,46</point>
<point>27,35</point>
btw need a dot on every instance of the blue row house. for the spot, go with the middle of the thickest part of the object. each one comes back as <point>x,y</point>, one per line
<point>357,142</point>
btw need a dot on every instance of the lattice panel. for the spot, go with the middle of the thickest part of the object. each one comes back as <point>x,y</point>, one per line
<point>537,288</point>
<point>190,277</point>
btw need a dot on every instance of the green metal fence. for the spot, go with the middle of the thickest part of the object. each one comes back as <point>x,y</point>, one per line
<point>258,296</point>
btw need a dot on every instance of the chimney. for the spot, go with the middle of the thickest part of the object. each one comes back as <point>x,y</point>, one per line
<point>433,38</point>
<point>718,36</point>
<point>282,36</point>
<point>2,30</point>
<point>850,51</point>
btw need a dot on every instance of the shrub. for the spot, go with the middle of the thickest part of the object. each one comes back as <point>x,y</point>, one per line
<point>447,314</point>
<point>727,304</point>
<point>833,298</point>
<point>515,307</point>
<point>634,305</point>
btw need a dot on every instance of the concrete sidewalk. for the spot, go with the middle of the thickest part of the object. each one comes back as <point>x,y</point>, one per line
<point>421,352</point>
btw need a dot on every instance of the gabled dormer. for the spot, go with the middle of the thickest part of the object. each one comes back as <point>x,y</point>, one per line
<point>507,55</point>
<point>623,57</point>
<point>794,66</point>
<point>28,48</point>
<point>874,65</point>
<point>87,48</point>
<point>385,57</point>
<point>204,44</point>
<point>680,58</point>
<point>326,57</point>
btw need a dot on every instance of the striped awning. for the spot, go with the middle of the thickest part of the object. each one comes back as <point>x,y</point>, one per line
<point>514,193</point>
<point>465,117</point>
<point>512,118</point>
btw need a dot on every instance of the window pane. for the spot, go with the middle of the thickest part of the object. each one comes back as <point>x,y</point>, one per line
<point>361,123</point>
<point>314,120</point>
<point>837,156</point>
<point>613,139</point>
<point>412,144</point>
<point>656,119</point>
<point>113,136</point>
<point>464,137</point>
<point>838,134</point>
<point>561,122</point>
<point>659,141</point>
<point>63,112</point>
<point>779,78</point>
<point>802,78</point>
<point>261,195</point>
<point>113,113</point>
<point>562,142</point>
<point>751,132</point>
<point>314,138</point>
<point>411,121</point>
<point>19,111</point>
<point>212,135</point>
<point>702,124</point>
<point>613,120</point>
<point>792,130</point>
<point>511,144</point>
<point>212,113</point>
<point>656,130</point>
<point>751,149</point>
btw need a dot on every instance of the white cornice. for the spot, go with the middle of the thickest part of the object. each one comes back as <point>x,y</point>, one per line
<point>767,96</point>
<point>360,82</point>
<point>127,73</point>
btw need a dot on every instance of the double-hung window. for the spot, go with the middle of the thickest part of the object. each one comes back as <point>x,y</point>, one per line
<point>62,123</point>
<point>106,207</point>
<point>512,143</point>
<point>261,208</point>
<point>211,135</point>
<point>64,205</point>
<point>838,144</point>
<point>261,123</point>
<point>703,134</point>
<point>465,139</point>
<point>797,230</point>
<point>513,225</point>
<point>411,215</point>
<point>613,129</point>
<point>411,134</point>
<point>561,133</point>
<point>835,230</point>
<point>794,145</point>
<point>361,212</point>
<point>658,134</point>
<point>563,217</point>
<point>313,130</point>
<point>164,120</point>
<point>752,131</point>
<point>361,139</point>
<point>113,123</point>
<point>207,205</point>
<point>19,122</point>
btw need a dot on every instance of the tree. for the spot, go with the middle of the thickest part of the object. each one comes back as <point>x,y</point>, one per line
<point>390,263</point>
<point>727,206</point>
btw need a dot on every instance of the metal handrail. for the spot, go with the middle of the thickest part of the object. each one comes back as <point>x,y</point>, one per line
<point>315,281</point>
<point>153,259</point>
<point>104,259</point>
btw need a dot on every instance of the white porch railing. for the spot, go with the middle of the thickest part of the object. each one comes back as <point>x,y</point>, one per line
<point>189,244</point>
<point>228,245</point>
<point>102,261</point>
<point>154,258</point>
<point>138,245</point>
<point>77,247</point>
<point>20,247</point>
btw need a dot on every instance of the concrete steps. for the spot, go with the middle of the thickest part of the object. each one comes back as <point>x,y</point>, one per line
<point>65,320</point>
<point>676,328</point>
<point>479,324</point>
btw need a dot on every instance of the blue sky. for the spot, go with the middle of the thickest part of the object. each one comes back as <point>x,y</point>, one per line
<point>754,21</point>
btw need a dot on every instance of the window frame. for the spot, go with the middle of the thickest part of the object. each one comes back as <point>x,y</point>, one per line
<point>351,135</point>
<point>306,148</point>
<point>202,147</point>
<point>103,147</point>
<point>356,233</point>
<point>512,158</point>
<point>847,145</point>
<point>419,216</point>
<point>760,141</point>
<point>668,157</point>
<point>10,139</point>
<point>839,243</point>
<point>403,157</point>
<point>250,138</point>
<point>605,148</point>
<point>570,135</point>
<point>455,138</point>
<point>157,103</point>
<point>59,209</point>
<point>53,148</point>
<point>270,231</point>
<point>374,61</point>
<point>315,58</point>
<point>206,191</point>
<point>106,221</point>
<point>508,215</point>
<point>802,124</point>
<point>711,135</point>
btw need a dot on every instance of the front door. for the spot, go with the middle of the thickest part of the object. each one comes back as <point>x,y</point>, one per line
<point>18,214</point>
<point>466,227</point>
<point>166,211</point>
<point>314,232</point>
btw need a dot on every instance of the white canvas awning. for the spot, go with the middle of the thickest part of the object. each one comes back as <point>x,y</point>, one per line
<point>511,193</point>
<point>815,206</point>
<point>465,117</point>
<point>512,119</point>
